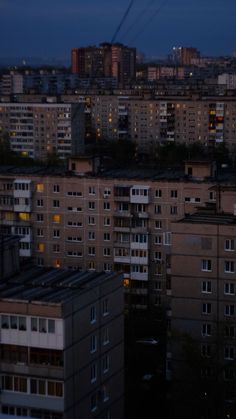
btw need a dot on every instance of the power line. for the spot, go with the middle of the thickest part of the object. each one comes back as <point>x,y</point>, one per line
<point>163,3</point>
<point>122,21</point>
<point>140,15</point>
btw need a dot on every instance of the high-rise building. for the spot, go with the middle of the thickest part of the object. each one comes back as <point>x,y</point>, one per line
<point>107,60</point>
<point>184,55</point>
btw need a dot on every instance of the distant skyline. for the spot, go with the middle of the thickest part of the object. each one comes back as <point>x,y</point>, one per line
<point>51,28</point>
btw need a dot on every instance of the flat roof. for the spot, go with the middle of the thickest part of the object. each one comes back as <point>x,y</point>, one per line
<point>209,218</point>
<point>51,285</point>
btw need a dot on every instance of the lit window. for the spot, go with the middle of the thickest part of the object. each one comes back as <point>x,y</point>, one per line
<point>56,218</point>
<point>40,187</point>
<point>41,247</point>
<point>24,216</point>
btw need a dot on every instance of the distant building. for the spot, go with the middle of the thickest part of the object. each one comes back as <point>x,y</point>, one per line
<point>37,130</point>
<point>184,55</point>
<point>107,60</point>
<point>62,345</point>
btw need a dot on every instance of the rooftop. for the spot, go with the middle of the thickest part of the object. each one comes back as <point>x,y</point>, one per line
<point>51,285</point>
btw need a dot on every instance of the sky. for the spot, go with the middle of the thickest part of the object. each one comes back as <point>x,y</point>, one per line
<point>51,28</point>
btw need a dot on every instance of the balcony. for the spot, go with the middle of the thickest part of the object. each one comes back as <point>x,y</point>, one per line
<point>139,276</point>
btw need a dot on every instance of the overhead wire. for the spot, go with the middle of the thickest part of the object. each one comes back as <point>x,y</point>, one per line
<point>122,21</point>
<point>157,11</point>
<point>138,17</point>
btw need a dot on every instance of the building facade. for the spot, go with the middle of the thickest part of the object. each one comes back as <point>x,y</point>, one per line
<point>37,130</point>
<point>114,221</point>
<point>62,345</point>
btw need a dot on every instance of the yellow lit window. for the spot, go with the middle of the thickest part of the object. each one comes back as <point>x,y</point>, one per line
<point>56,218</point>
<point>40,187</point>
<point>56,263</point>
<point>24,216</point>
<point>24,153</point>
<point>126,282</point>
<point>41,247</point>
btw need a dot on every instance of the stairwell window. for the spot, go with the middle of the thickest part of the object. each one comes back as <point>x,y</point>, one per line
<point>229,266</point>
<point>206,329</point>
<point>206,287</point>
<point>229,288</point>
<point>206,265</point>
<point>206,308</point>
<point>229,245</point>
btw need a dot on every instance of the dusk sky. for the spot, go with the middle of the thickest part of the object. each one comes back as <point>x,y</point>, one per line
<point>50,28</point>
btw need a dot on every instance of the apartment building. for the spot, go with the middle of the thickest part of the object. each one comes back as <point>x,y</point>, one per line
<point>150,121</point>
<point>62,345</point>
<point>202,349</point>
<point>108,60</point>
<point>37,130</point>
<point>117,220</point>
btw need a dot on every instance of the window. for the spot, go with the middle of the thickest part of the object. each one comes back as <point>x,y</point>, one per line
<point>40,247</point>
<point>56,188</point>
<point>93,373</point>
<point>230,331</point>
<point>206,350</point>
<point>229,266</point>
<point>229,352</point>
<point>157,209</point>
<point>206,308</point>
<point>105,336</point>
<point>105,310</point>
<point>56,218</point>
<point>173,210</point>
<point>107,221</point>
<point>91,251</point>
<point>105,395</point>
<point>206,329</point>
<point>206,265</point>
<point>106,206</point>
<point>91,220</point>
<point>158,193</point>
<point>229,310</point>
<point>39,232</point>
<point>93,343</point>
<point>92,190</point>
<point>157,255</point>
<point>229,288</point>
<point>93,315</point>
<point>56,234</point>
<point>105,363</point>
<point>158,224</point>
<point>206,286</point>
<point>106,236</point>
<point>106,251</point>
<point>107,267</point>
<point>158,240</point>
<point>42,325</point>
<point>94,402</point>
<point>39,202</point>
<point>173,193</point>
<point>91,235</point>
<point>39,217</point>
<point>91,266</point>
<point>91,205</point>
<point>56,203</point>
<point>40,187</point>
<point>167,238</point>
<point>229,244</point>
